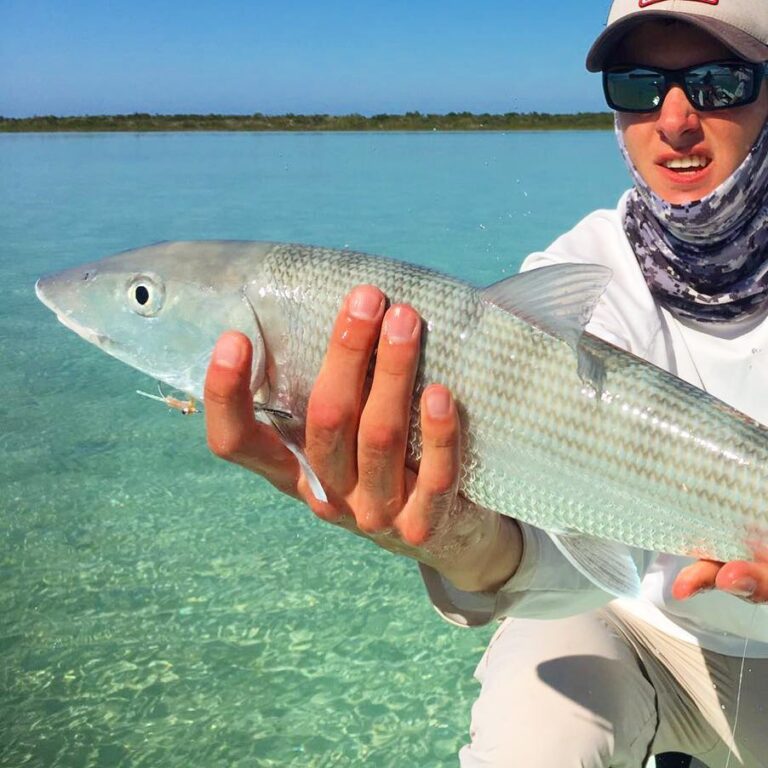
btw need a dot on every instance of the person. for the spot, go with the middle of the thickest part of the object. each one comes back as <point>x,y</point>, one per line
<point>574,677</point>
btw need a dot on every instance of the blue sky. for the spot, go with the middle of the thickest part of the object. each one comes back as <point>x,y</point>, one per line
<point>70,57</point>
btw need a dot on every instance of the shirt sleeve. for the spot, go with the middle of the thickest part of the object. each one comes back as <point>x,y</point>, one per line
<point>545,586</point>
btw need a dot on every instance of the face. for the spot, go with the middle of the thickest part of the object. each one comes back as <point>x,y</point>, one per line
<point>719,141</point>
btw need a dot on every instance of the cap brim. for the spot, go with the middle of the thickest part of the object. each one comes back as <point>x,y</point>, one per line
<point>742,44</point>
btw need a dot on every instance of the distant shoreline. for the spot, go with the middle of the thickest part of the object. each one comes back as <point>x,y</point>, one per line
<point>410,121</point>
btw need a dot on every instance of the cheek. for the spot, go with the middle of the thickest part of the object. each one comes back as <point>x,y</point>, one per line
<point>757,119</point>
<point>733,141</point>
<point>737,134</point>
<point>637,134</point>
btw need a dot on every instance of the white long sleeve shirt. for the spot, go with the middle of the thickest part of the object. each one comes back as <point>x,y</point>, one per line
<point>730,362</point>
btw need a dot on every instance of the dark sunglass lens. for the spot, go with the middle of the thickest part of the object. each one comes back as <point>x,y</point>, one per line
<point>718,86</point>
<point>636,90</point>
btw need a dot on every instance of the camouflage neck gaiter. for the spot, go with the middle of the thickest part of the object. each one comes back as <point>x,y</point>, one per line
<point>706,260</point>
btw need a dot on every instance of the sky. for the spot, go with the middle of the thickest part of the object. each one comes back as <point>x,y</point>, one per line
<point>74,57</point>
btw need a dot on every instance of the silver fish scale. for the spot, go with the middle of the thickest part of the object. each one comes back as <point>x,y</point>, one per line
<point>650,460</point>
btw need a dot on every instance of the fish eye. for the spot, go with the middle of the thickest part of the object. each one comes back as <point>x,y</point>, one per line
<point>146,295</point>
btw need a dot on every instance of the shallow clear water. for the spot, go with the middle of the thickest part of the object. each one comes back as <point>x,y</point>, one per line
<point>158,607</point>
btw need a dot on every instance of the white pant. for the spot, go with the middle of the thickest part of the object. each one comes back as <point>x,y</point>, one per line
<point>605,690</point>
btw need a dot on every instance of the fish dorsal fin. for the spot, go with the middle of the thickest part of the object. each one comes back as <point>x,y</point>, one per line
<point>559,299</point>
<point>607,564</point>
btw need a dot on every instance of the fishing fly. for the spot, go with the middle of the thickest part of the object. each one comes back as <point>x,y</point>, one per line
<point>186,407</point>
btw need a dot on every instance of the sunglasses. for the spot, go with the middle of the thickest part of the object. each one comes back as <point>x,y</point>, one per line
<point>712,86</point>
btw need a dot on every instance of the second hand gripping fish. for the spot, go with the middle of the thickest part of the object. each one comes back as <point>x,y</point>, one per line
<point>560,429</point>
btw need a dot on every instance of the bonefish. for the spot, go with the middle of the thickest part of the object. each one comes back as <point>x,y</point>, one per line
<point>560,429</point>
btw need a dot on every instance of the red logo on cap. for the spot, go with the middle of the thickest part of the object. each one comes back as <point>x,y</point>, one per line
<point>646,3</point>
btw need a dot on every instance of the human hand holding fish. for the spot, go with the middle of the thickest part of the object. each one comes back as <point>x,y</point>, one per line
<point>744,579</point>
<point>356,443</point>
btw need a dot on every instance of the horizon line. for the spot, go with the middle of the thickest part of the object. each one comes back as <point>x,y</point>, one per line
<point>288,115</point>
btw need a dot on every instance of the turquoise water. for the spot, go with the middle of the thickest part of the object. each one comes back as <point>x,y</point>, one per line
<point>159,607</point>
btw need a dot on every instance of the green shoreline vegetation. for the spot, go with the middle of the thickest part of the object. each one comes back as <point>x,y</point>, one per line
<point>410,121</point>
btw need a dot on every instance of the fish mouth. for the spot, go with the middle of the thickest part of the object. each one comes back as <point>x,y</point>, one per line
<point>66,319</point>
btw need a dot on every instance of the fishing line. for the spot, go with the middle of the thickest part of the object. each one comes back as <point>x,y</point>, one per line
<point>739,688</point>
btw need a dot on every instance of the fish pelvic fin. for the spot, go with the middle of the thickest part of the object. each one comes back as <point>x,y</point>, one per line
<point>559,299</point>
<point>609,565</point>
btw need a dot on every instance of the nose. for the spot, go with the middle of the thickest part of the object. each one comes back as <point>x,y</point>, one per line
<point>678,120</point>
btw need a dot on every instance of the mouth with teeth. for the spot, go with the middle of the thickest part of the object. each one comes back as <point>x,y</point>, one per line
<point>687,164</point>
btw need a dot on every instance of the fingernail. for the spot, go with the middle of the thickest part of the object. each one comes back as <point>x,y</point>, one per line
<point>744,587</point>
<point>365,304</point>
<point>228,352</point>
<point>400,325</point>
<point>438,403</point>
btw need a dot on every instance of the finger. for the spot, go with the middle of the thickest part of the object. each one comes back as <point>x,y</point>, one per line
<point>334,406</point>
<point>695,578</point>
<point>233,433</point>
<point>748,580</point>
<point>383,436</point>
<point>438,478</point>
<point>759,551</point>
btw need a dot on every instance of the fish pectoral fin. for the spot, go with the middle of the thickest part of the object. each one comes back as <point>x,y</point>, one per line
<point>312,479</point>
<point>272,417</point>
<point>609,565</point>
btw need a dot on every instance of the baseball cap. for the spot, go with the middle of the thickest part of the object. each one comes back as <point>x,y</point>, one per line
<point>741,25</point>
